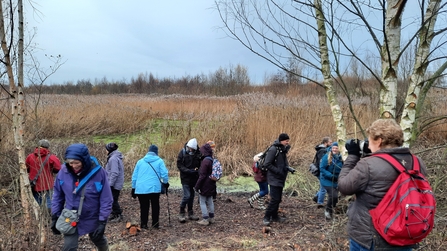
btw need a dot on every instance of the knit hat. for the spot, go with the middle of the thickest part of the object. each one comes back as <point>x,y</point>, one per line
<point>212,144</point>
<point>112,146</point>
<point>154,149</point>
<point>44,143</point>
<point>335,144</point>
<point>192,143</point>
<point>283,136</point>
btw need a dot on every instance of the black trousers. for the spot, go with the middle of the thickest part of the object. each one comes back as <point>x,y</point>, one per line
<point>147,200</point>
<point>275,198</point>
<point>332,199</point>
<point>116,209</point>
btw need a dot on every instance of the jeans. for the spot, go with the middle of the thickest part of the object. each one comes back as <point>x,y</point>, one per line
<point>188,198</point>
<point>332,199</point>
<point>354,246</point>
<point>207,206</point>
<point>321,194</point>
<point>71,242</point>
<point>275,198</point>
<point>43,196</point>
<point>263,188</point>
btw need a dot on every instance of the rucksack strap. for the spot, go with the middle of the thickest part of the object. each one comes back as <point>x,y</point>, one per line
<point>397,164</point>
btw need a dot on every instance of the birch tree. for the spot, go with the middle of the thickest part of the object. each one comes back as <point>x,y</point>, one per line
<point>325,34</point>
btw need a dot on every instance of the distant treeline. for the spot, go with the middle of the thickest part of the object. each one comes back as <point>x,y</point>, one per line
<point>223,82</point>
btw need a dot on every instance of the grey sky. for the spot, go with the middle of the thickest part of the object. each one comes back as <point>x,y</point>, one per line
<point>121,39</point>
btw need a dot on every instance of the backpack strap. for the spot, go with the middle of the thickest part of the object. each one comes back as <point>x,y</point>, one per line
<point>87,177</point>
<point>397,164</point>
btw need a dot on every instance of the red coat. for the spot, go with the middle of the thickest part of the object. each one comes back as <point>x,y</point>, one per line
<point>45,180</point>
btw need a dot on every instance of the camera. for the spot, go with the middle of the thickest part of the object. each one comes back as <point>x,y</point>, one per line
<point>363,145</point>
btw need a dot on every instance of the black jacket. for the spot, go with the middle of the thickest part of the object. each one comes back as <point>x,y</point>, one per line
<point>188,166</point>
<point>277,166</point>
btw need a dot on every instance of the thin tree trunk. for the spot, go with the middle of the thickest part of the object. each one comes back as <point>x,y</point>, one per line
<point>328,81</point>
<point>418,79</point>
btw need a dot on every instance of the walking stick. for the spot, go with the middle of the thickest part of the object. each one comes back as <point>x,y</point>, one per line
<point>169,212</point>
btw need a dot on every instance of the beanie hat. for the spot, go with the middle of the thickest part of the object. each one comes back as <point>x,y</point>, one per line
<point>112,146</point>
<point>192,143</point>
<point>335,144</point>
<point>154,149</point>
<point>283,136</point>
<point>44,143</point>
<point>212,144</point>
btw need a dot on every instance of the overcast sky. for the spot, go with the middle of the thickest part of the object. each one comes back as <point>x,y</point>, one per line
<point>120,39</point>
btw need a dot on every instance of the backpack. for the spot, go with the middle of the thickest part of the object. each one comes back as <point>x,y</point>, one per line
<point>405,215</point>
<point>216,173</point>
<point>258,165</point>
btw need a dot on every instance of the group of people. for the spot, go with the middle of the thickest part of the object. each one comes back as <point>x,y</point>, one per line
<point>368,178</point>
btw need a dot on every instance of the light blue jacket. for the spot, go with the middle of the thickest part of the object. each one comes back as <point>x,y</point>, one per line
<point>144,179</point>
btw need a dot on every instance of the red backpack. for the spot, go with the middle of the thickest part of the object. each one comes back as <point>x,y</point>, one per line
<point>406,214</point>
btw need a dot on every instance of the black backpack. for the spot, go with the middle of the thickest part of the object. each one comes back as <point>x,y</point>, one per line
<point>260,163</point>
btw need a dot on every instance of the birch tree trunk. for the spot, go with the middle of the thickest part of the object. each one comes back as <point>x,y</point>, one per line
<point>328,81</point>
<point>390,52</point>
<point>18,112</point>
<point>418,80</point>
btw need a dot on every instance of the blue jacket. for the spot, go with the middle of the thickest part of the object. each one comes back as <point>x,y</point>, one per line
<point>329,171</point>
<point>115,169</point>
<point>98,196</point>
<point>144,179</point>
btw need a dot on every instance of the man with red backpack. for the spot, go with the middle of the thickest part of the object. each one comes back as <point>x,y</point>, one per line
<point>371,179</point>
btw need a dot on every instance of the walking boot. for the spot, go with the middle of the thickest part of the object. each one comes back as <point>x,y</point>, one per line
<point>182,218</point>
<point>191,216</point>
<point>252,199</point>
<point>261,205</point>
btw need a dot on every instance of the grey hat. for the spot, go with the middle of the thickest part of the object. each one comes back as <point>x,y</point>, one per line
<point>44,143</point>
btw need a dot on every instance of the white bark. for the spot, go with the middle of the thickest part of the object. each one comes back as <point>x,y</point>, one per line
<point>328,81</point>
<point>417,79</point>
<point>390,53</point>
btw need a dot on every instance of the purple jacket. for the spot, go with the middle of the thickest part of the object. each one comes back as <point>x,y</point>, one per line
<point>206,185</point>
<point>98,196</point>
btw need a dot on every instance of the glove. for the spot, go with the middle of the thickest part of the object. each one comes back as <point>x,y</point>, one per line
<point>353,147</point>
<point>334,179</point>
<point>291,170</point>
<point>133,193</point>
<point>99,232</point>
<point>53,224</point>
<point>166,185</point>
<point>197,190</point>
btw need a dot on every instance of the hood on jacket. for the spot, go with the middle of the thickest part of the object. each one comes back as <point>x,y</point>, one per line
<point>41,151</point>
<point>151,157</point>
<point>79,152</point>
<point>319,147</point>
<point>206,150</point>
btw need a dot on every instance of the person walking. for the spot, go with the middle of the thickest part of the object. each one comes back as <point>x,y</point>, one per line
<point>321,150</point>
<point>115,172</point>
<point>278,168</point>
<point>148,177</point>
<point>82,176</point>
<point>41,165</point>
<point>188,163</point>
<point>369,179</point>
<point>260,178</point>
<point>330,167</point>
<point>205,186</point>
